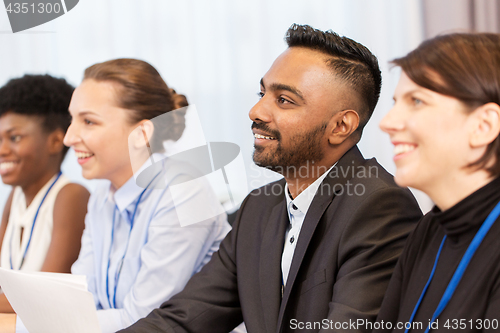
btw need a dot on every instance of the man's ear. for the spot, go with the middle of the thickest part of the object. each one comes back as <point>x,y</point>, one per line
<point>342,125</point>
<point>486,125</point>
<point>55,141</point>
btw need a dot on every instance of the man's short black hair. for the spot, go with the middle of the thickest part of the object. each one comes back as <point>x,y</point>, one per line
<point>350,61</point>
<point>42,96</point>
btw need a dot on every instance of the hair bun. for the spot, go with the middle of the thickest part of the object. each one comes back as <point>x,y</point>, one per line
<point>179,100</point>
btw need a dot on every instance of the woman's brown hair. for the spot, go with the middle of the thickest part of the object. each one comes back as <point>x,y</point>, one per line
<point>465,66</point>
<point>142,91</point>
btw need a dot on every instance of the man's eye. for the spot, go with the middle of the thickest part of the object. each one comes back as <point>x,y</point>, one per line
<point>260,94</point>
<point>282,100</point>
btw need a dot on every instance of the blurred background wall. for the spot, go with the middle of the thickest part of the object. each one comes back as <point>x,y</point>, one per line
<point>215,52</point>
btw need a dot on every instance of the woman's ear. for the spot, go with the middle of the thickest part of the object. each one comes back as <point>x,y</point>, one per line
<point>486,125</point>
<point>342,125</point>
<point>142,135</point>
<point>55,141</point>
<point>139,144</point>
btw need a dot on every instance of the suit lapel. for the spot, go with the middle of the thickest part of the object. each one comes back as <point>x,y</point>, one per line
<point>339,175</point>
<point>270,264</point>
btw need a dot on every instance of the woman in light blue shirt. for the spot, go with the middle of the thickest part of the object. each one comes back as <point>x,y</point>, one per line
<point>136,250</point>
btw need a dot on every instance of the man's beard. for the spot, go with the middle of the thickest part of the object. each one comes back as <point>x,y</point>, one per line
<point>304,149</point>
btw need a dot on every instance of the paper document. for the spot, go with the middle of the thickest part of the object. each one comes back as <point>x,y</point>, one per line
<point>50,302</point>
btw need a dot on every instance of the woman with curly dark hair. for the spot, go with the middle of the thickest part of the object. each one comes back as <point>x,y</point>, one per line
<point>43,218</point>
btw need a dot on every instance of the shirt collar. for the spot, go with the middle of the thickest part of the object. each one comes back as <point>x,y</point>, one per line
<point>126,194</point>
<point>130,191</point>
<point>305,198</point>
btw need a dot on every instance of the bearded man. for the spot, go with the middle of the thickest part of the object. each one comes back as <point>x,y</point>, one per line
<point>314,251</point>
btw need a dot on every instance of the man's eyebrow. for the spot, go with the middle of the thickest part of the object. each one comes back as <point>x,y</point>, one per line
<point>280,86</point>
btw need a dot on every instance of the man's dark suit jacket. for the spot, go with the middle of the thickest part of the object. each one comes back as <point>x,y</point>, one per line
<point>349,243</point>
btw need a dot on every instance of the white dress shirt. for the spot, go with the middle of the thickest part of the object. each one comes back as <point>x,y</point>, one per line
<point>297,210</point>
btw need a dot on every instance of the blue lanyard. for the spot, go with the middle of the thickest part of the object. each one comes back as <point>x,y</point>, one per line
<point>32,226</point>
<point>459,272</point>
<point>120,265</point>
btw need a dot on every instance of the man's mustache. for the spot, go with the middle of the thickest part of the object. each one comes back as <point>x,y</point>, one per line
<point>265,128</point>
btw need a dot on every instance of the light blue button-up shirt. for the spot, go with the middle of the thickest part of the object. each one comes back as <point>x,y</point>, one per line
<point>128,281</point>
